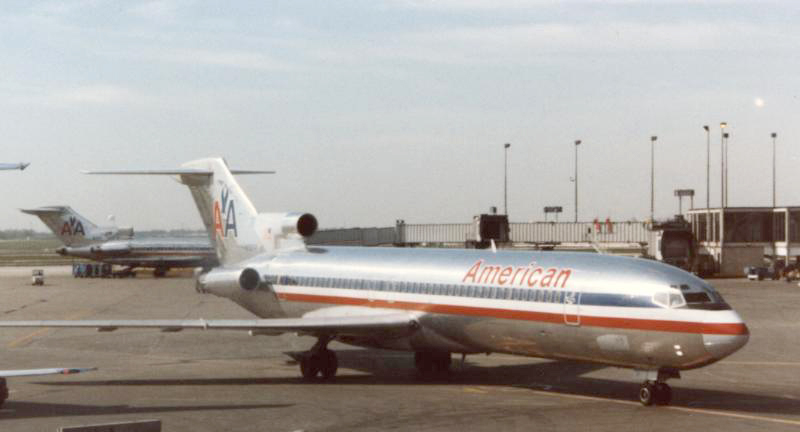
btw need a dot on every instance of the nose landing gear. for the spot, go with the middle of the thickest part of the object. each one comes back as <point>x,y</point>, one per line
<point>658,393</point>
<point>655,390</point>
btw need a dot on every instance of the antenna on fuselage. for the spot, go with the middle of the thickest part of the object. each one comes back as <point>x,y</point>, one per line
<point>494,246</point>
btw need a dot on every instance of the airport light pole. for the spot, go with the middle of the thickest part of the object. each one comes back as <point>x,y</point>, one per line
<point>505,177</point>
<point>726,135</point>
<point>652,177</point>
<point>722,127</point>
<point>577,143</point>
<point>708,182</point>
<point>774,136</point>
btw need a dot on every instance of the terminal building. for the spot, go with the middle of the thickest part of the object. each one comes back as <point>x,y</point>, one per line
<point>716,241</point>
<point>731,238</point>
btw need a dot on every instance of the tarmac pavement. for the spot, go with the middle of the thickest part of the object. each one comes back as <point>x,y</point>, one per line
<point>230,381</point>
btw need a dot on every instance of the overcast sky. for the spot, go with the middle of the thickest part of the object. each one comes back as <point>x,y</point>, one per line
<point>372,111</point>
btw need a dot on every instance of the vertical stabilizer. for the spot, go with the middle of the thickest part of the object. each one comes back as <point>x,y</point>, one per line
<point>72,228</point>
<point>236,231</point>
<point>227,213</point>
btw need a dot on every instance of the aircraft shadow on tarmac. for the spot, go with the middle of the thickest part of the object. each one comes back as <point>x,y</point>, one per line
<point>14,409</point>
<point>558,377</point>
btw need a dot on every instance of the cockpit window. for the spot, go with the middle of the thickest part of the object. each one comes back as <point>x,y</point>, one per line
<point>700,297</point>
<point>669,299</point>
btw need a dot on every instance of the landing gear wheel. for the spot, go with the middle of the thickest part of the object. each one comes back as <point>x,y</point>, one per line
<point>647,394</point>
<point>322,364</point>
<point>663,394</point>
<point>330,364</point>
<point>432,364</point>
<point>3,391</point>
<point>309,367</point>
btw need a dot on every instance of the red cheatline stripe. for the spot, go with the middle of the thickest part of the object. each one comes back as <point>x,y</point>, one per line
<point>590,321</point>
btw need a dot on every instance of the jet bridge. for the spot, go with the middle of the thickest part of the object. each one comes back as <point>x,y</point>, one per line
<point>732,238</point>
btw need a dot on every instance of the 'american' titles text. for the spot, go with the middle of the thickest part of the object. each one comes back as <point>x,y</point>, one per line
<point>520,276</point>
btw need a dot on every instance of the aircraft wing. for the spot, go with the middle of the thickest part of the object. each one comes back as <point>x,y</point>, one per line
<point>48,371</point>
<point>395,323</point>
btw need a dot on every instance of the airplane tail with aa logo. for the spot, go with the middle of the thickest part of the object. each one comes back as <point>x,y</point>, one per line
<point>237,231</point>
<point>69,226</point>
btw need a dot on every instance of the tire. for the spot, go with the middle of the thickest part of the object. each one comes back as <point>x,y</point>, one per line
<point>663,394</point>
<point>441,363</point>
<point>646,394</point>
<point>329,364</point>
<point>309,367</point>
<point>3,391</point>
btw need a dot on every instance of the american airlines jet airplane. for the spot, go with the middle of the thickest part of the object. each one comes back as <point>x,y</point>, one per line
<point>113,245</point>
<point>617,311</point>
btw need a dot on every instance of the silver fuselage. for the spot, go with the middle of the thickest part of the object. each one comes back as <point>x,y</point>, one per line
<point>146,253</point>
<point>612,310</point>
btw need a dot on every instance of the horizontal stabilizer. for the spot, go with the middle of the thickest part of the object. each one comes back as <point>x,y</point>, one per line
<point>179,171</point>
<point>339,325</point>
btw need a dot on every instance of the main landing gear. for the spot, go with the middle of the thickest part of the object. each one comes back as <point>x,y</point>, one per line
<point>319,363</point>
<point>3,391</point>
<point>432,364</point>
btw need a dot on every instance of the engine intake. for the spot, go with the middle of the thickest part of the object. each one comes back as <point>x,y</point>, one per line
<point>304,224</point>
<point>249,279</point>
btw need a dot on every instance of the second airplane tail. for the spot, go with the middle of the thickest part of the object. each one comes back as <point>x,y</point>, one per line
<point>69,226</point>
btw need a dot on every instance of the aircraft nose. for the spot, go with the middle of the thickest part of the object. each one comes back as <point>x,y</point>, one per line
<point>724,337</point>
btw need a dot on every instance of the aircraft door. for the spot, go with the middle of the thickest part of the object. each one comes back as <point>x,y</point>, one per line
<point>572,308</point>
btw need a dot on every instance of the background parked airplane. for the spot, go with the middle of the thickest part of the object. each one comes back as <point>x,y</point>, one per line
<point>618,311</point>
<point>84,239</point>
<point>14,166</point>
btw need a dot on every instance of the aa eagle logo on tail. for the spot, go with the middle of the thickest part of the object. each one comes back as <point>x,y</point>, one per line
<point>72,227</point>
<point>225,206</point>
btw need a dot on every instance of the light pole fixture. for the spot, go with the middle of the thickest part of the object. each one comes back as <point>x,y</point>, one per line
<point>722,127</point>
<point>774,136</point>
<point>726,135</point>
<point>577,143</point>
<point>708,182</point>
<point>680,193</point>
<point>505,177</point>
<point>652,177</point>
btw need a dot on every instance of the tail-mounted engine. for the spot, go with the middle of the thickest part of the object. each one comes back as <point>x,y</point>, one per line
<point>284,230</point>
<point>304,224</point>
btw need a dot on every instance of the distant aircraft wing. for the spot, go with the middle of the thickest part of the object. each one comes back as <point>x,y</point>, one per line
<point>49,371</point>
<point>13,166</point>
<point>395,323</point>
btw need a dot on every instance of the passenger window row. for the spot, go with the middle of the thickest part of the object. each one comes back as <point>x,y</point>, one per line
<point>473,291</point>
